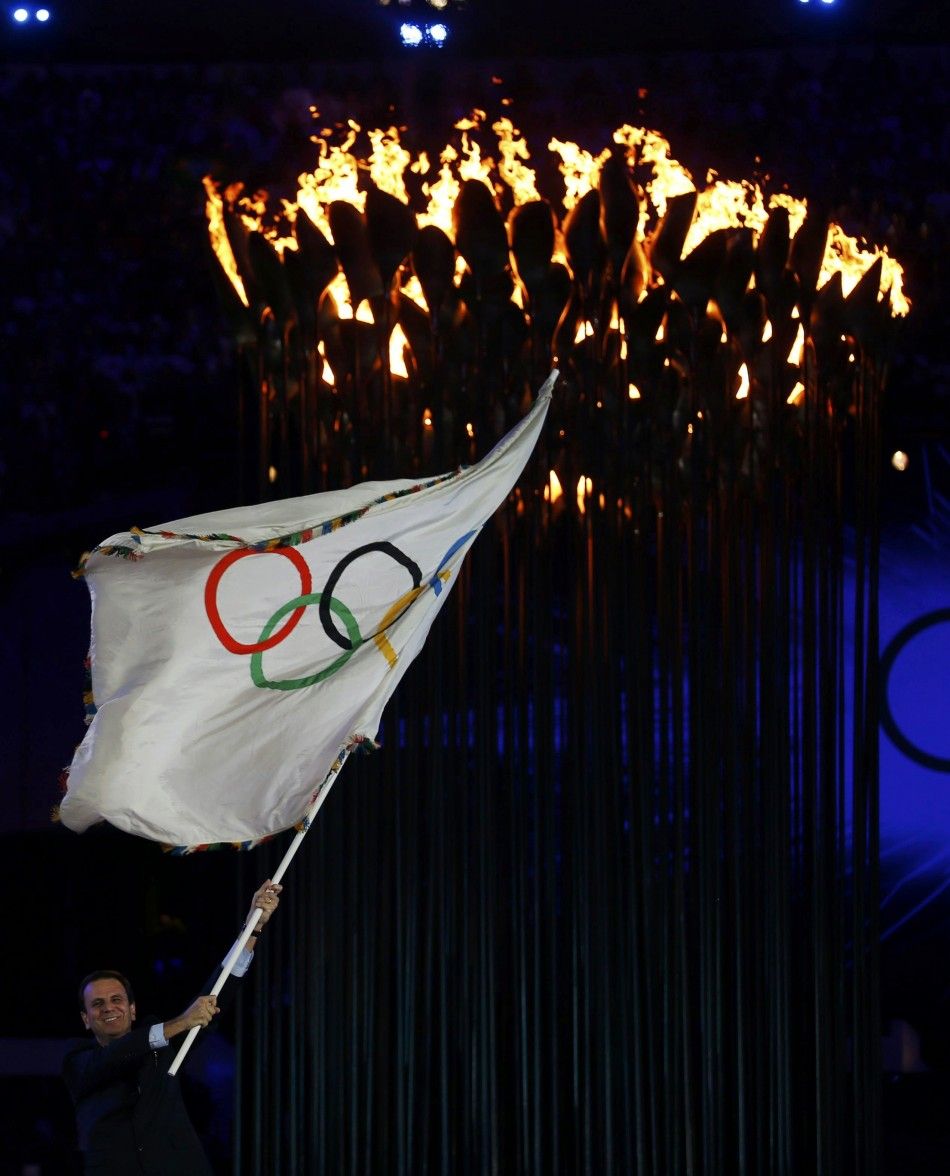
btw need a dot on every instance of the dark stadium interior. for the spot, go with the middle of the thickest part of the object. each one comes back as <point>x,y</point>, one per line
<point>118,371</point>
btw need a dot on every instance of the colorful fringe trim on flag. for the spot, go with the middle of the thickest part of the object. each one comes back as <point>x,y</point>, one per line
<point>293,539</point>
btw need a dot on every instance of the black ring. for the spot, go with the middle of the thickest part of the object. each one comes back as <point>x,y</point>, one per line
<point>326,617</point>
<point>938,763</point>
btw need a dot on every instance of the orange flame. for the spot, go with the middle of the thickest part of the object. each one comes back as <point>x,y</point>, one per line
<point>512,169</point>
<point>585,488</point>
<point>398,344</point>
<point>214,210</point>
<point>720,204</point>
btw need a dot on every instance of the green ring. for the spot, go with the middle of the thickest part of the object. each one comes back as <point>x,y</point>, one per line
<point>258,676</point>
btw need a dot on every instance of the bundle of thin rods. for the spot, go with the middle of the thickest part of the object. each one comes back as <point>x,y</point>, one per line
<point>606,900</point>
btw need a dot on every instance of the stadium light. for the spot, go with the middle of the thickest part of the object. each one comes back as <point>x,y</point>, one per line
<point>410,34</point>
<point>24,16</point>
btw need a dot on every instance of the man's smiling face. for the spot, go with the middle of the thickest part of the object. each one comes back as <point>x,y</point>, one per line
<point>107,1012</point>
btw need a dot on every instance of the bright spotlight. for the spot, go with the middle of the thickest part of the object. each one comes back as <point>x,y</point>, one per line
<point>21,15</point>
<point>410,34</point>
<point>42,15</point>
<point>438,33</point>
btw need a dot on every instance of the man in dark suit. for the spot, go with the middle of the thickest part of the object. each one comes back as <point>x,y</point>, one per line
<point>130,1116</point>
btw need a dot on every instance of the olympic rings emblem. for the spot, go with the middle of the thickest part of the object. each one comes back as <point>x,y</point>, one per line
<point>897,645</point>
<point>329,608</point>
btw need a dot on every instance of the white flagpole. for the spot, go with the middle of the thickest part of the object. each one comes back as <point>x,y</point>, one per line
<point>251,923</point>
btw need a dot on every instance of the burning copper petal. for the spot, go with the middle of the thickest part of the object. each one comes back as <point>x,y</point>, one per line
<point>643,320</point>
<point>237,314</point>
<point>635,275</point>
<point>305,301</point>
<point>548,303</point>
<point>865,316</point>
<point>489,297</point>
<point>585,246</point>
<point>784,326</point>
<point>390,226</point>
<point>732,281</point>
<point>532,243</point>
<point>317,256</point>
<point>237,235</point>
<point>619,209</point>
<point>666,243</point>
<point>329,328</point>
<point>753,315</point>
<point>826,323</point>
<point>480,234</point>
<point>696,277</point>
<point>418,330</point>
<point>433,261</point>
<point>807,254</point>
<point>566,331</point>
<point>679,330</point>
<point>352,246</point>
<point>510,333</point>
<point>271,279</point>
<point>771,258</point>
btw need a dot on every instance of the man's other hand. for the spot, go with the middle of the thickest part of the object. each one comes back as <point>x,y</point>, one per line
<point>198,1015</point>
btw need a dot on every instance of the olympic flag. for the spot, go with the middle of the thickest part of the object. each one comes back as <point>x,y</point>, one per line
<point>235,655</point>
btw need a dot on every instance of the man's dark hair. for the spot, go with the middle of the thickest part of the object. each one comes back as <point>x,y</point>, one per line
<point>104,974</point>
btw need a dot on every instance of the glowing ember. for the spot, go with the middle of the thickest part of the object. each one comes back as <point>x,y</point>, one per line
<point>398,346</point>
<point>412,288</point>
<point>339,291</point>
<point>327,372</point>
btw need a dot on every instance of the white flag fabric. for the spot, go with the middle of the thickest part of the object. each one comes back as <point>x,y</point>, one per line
<point>235,654</point>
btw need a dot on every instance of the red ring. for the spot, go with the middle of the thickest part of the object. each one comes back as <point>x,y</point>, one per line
<point>211,598</point>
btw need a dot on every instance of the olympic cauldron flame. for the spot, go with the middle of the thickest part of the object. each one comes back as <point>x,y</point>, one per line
<point>701,307</point>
